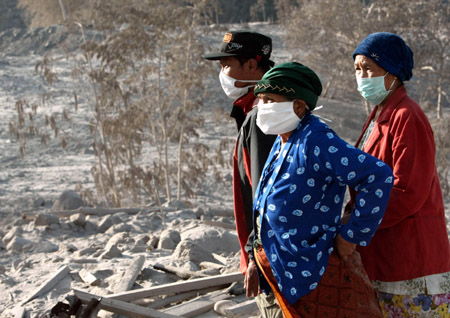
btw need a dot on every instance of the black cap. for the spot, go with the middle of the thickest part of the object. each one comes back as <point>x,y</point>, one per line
<point>246,44</point>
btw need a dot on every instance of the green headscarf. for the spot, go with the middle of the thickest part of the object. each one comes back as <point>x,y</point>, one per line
<point>292,80</point>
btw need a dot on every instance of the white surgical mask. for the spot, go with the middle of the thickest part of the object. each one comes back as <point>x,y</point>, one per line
<point>373,89</point>
<point>230,89</point>
<point>276,118</point>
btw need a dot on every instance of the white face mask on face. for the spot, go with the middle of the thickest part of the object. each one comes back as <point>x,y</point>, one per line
<point>230,89</point>
<point>276,118</point>
<point>373,89</point>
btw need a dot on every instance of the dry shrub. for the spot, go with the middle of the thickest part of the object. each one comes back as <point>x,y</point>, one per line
<point>144,79</point>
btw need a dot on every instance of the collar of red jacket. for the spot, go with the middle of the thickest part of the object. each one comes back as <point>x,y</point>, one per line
<point>246,102</point>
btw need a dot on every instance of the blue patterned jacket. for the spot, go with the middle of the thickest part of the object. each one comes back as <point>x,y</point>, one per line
<point>300,197</point>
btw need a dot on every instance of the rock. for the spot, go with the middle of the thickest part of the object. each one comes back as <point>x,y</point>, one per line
<point>166,243</point>
<point>68,200</point>
<point>142,239</point>
<point>11,234</point>
<point>119,238</point>
<point>153,243</point>
<point>190,251</point>
<point>88,277</point>
<point>107,222</point>
<point>212,239</point>
<point>119,228</point>
<point>138,248</point>
<point>199,212</point>
<point>38,203</point>
<point>53,227</point>
<point>87,251</point>
<point>169,239</point>
<point>78,219</point>
<point>17,244</point>
<point>156,222</point>
<point>45,247</point>
<point>111,251</point>
<point>43,219</point>
<point>91,227</point>
<point>69,248</point>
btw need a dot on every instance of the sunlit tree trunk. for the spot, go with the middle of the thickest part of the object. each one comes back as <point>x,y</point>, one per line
<point>439,85</point>
<point>164,136</point>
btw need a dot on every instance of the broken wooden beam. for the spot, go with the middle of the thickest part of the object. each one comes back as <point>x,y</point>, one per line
<point>180,272</point>
<point>49,284</point>
<point>129,277</point>
<point>121,307</point>
<point>160,302</point>
<point>199,305</point>
<point>178,287</point>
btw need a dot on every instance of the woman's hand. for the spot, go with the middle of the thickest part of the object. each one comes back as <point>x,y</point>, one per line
<point>251,282</point>
<point>344,248</point>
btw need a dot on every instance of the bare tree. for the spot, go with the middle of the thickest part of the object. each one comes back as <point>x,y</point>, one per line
<point>327,32</point>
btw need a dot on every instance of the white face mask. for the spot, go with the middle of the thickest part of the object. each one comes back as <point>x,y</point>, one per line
<point>373,89</point>
<point>276,118</point>
<point>230,89</point>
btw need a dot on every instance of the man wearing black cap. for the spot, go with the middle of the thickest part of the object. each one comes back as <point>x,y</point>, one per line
<point>244,58</point>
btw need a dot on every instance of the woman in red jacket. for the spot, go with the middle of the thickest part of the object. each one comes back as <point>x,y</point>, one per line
<point>408,259</point>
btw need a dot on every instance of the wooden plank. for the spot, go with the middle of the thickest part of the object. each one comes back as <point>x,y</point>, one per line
<point>199,305</point>
<point>130,275</point>
<point>49,284</point>
<point>178,287</point>
<point>121,307</point>
<point>174,299</point>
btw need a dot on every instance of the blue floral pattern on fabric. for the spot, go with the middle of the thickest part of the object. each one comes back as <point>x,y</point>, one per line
<point>300,197</point>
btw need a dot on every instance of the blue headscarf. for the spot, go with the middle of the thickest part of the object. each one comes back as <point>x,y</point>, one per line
<point>390,52</point>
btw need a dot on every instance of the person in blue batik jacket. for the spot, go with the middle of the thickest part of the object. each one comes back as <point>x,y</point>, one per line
<point>298,204</point>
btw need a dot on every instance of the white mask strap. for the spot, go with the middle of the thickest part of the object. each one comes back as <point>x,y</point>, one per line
<point>323,118</point>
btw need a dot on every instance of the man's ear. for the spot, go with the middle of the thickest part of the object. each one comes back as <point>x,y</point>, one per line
<point>300,107</point>
<point>251,65</point>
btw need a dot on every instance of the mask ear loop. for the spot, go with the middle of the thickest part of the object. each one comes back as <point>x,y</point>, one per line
<point>392,84</point>
<point>323,118</point>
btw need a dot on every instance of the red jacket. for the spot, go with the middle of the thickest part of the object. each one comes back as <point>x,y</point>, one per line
<point>412,239</point>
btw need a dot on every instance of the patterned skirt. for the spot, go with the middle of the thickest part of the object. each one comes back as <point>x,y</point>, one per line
<point>417,306</point>
<point>344,291</point>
